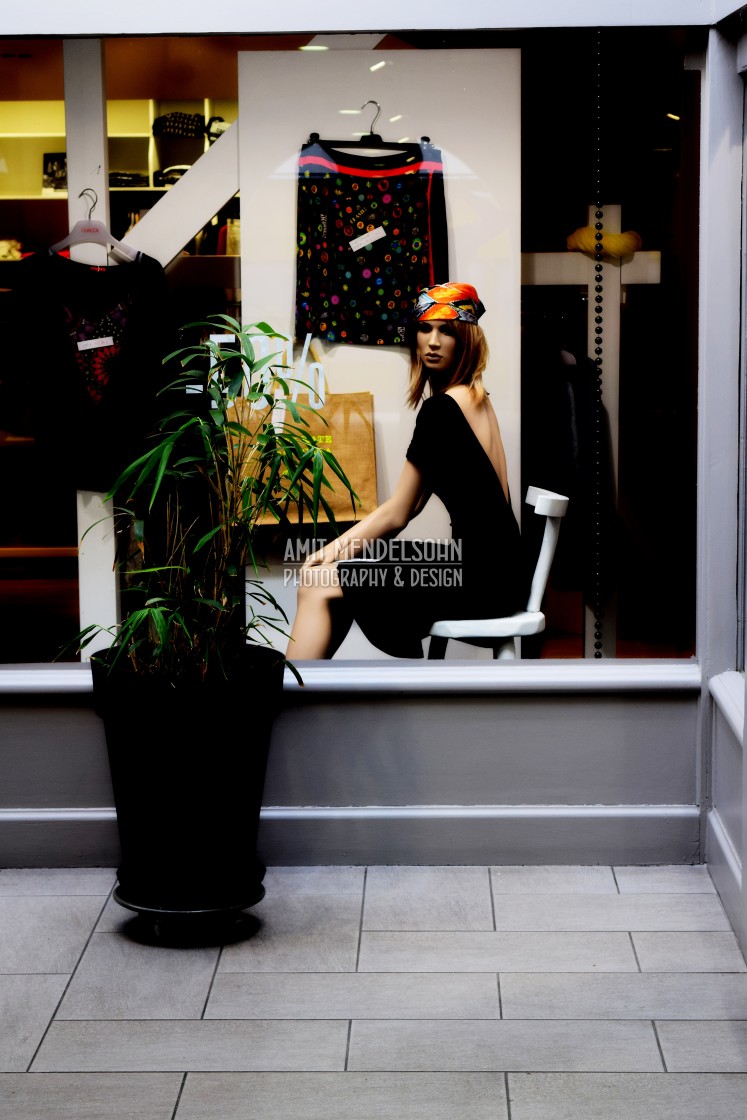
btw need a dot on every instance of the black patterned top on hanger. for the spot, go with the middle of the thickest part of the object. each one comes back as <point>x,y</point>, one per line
<point>371,234</point>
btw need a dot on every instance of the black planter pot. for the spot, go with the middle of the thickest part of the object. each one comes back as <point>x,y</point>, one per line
<point>188,768</point>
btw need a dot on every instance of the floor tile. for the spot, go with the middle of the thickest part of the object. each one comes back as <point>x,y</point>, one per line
<point>664,880</point>
<point>304,933</point>
<point>27,1003</point>
<point>704,1047</point>
<point>553,880</point>
<point>119,979</point>
<point>610,912</point>
<point>496,952</point>
<point>45,934</point>
<point>503,1045</point>
<point>115,918</point>
<point>89,1096</point>
<point>422,898</point>
<point>68,881</point>
<point>650,995</point>
<point>314,881</point>
<point>688,952</point>
<point>201,1045</point>
<point>354,996</point>
<point>623,996</point>
<point>597,1096</point>
<point>344,1096</point>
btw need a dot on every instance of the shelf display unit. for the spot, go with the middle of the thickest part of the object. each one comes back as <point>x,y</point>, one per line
<point>33,213</point>
<point>28,130</point>
<point>130,126</point>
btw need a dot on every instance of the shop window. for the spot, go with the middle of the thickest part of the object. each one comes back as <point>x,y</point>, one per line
<point>588,127</point>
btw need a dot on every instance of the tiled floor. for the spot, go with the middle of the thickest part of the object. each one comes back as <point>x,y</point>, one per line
<point>407,993</point>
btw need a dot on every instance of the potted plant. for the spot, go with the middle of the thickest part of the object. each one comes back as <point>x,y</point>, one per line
<point>190,684</point>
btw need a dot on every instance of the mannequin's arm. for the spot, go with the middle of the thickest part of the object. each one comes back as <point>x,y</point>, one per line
<point>386,520</point>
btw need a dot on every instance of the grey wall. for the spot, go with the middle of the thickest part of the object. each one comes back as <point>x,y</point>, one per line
<point>481,750</point>
<point>581,778</point>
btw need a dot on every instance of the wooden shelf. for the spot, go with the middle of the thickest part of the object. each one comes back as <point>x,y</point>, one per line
<point>37,197</point>
<point>31,552</point>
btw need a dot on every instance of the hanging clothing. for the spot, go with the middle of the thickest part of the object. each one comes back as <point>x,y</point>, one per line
<point>396,601</point>
<point>566,448</point>
<point>371,234</point>
<point>97,367</point>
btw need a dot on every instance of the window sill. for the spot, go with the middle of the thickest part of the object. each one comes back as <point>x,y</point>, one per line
<point>417,677</point>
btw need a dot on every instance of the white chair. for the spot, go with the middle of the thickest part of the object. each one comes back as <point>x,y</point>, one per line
<point>499,634</point>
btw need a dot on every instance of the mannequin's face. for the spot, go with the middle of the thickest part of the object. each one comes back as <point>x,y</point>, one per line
<point>437,345</point>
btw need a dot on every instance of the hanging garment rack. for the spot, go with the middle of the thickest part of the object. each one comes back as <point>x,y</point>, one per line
<point>91,230</point>
<point>371,139</point>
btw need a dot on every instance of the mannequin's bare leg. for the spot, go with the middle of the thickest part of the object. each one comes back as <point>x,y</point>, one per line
<point>321,621</point>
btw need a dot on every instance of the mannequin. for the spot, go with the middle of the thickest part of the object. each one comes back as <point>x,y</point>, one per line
<point>457,453</point>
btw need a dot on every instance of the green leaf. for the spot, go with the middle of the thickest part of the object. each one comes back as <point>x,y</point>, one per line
<point>260,363</point>
<point>207,537</point>
<point>160,473</point>
<point>265,329</point>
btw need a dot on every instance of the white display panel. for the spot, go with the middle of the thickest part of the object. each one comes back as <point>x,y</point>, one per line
<point>468,103</point>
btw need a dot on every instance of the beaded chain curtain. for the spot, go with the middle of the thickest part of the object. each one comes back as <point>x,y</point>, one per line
<point>597,603</point>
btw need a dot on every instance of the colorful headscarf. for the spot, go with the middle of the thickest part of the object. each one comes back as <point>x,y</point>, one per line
<point>449,301</point>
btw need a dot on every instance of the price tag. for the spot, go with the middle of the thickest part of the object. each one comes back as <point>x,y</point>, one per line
<point>367,238</point>
<point>95,343</point>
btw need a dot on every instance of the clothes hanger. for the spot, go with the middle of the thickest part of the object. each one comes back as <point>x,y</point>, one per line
<point>94,231</point>
<point>371,139</point>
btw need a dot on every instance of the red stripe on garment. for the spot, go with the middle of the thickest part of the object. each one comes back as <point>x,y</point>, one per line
<point>407,169</point>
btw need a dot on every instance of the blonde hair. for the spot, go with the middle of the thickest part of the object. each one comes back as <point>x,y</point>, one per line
<point>471,362</point>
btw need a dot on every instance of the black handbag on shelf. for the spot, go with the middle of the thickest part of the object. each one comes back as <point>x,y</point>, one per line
<point>190,125</point>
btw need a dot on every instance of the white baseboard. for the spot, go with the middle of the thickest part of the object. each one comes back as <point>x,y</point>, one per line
<point>398,834</point>
<point>478,812</point>
<point>725,867</point>
<point>725,853</point>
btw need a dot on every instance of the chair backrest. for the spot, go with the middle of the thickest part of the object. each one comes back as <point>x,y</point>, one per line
<point>552,506</point>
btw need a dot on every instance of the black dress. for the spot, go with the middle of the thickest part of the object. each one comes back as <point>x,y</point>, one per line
<point>397,595</point>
